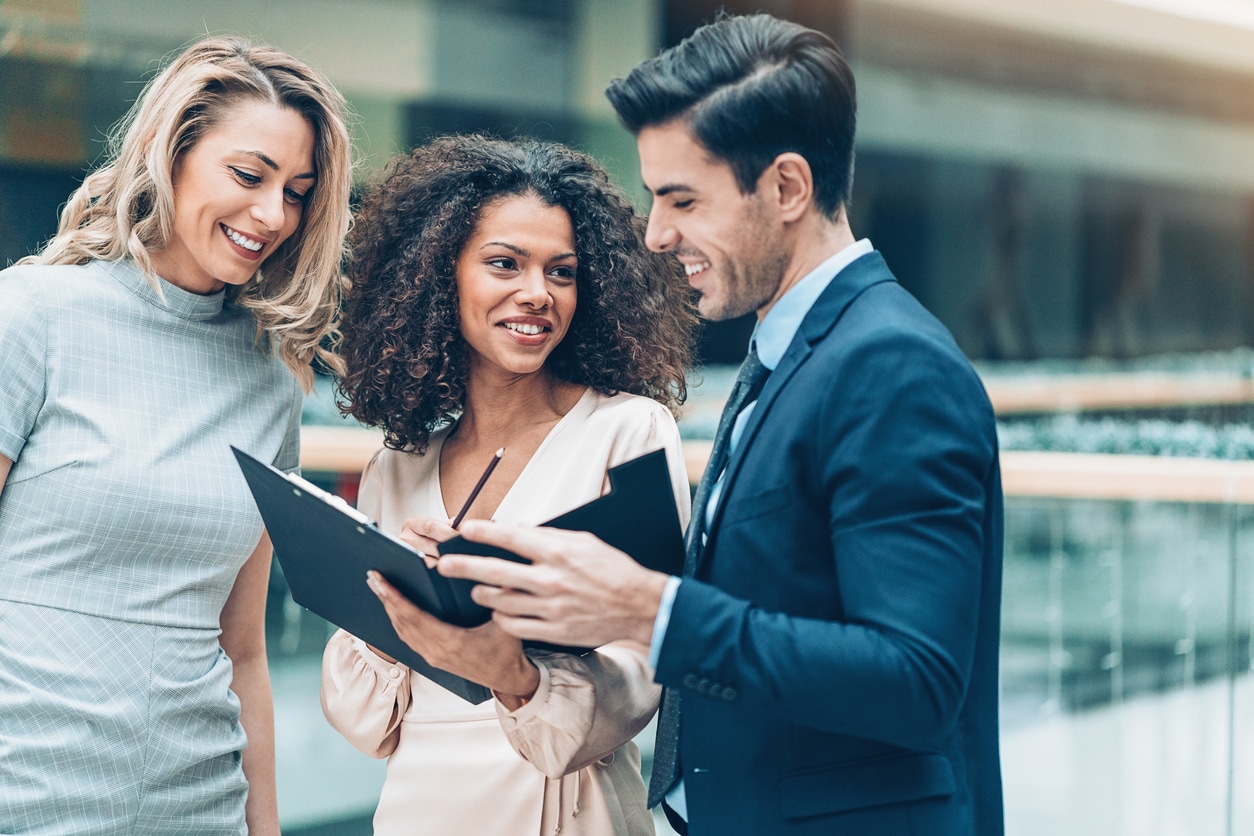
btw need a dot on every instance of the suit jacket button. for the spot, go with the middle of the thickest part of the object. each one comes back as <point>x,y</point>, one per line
<point>729,693</point>
<point>716,690</point>
<point>703,687</point>
<point>690,680</point>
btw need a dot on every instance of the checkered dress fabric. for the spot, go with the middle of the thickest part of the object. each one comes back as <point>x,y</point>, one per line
<point>123,523</point>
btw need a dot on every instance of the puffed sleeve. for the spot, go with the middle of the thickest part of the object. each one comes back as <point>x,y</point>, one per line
<point>23,355</point>
<point>585,708</point>
<point>364,696</point>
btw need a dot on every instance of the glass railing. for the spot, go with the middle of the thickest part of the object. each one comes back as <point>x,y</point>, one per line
<point>1127,668</point>
<point>1127,665</point>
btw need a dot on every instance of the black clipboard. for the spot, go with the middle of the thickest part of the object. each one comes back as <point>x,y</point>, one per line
<point>325,547</point>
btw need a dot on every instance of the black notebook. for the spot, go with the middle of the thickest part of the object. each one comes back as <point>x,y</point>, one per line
<point>325,547</point>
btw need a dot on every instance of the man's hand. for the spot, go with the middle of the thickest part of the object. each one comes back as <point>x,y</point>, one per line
<point>577,590</point>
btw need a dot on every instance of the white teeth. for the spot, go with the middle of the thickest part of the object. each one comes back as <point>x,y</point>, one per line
<point>246,243</point>
<point>694,269</point>
<point>523,329</point>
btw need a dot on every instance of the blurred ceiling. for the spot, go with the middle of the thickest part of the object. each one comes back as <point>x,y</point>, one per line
<point>1195,56</point>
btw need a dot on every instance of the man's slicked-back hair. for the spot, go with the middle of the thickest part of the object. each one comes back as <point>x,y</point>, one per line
<point>752,88</point>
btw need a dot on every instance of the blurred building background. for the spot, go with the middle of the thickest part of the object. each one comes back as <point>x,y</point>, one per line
<point>1061,179</point>
<point>1058,181</point>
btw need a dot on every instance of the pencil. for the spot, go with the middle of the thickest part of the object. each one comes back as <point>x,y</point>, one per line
<point>474,494</point>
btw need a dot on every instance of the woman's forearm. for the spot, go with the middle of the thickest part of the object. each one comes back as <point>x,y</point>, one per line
<point>252,685</point>
<point>244,640</point>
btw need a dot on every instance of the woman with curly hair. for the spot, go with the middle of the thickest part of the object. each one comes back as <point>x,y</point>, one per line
<point>503,296</point>
<point>193,280</point>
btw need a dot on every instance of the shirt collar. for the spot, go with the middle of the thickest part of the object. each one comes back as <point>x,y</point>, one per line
<point>774,334</point>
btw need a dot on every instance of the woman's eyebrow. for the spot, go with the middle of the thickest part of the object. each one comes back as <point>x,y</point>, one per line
<point>308,175</point>
<point>524,253</point>
<point>508,246</point>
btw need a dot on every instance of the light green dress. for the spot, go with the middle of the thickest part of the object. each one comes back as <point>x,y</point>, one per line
<point>123,523</point>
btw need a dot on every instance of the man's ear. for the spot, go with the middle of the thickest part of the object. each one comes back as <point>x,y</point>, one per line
<point>791,185</point>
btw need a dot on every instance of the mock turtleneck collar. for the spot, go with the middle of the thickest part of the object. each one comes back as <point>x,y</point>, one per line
<point>179,302</point>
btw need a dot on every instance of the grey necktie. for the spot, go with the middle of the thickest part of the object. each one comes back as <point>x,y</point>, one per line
<point>749,382</point>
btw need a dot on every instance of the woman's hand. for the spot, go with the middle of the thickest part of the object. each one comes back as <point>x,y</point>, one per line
<point>485,654</point>
<point>425,534</point>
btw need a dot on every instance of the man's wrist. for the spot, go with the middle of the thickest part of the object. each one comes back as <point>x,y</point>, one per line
<point>662,619</point>
<point>652,592</point>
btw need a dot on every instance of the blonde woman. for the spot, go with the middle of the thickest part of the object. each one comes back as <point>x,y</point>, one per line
<point>191,283</point>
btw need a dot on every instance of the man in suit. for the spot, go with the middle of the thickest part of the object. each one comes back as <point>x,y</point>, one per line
<point>830,653</point>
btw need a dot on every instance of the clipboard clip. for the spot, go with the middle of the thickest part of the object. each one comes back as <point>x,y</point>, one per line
<point>329,498</point>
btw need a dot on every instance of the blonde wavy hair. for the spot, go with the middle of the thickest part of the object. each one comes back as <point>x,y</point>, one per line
<point>125,208</point>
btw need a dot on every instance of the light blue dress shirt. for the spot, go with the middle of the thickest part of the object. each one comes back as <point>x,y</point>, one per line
<point>771,339</point>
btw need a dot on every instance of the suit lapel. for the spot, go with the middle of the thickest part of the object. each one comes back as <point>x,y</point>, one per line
<point>850,283</point>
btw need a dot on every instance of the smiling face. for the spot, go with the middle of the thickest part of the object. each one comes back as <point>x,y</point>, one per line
<point>729,243</point>
<point>238,194</point>
<point>516,285</point>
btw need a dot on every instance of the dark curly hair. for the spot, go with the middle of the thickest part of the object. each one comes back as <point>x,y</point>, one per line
<point>407,361</point>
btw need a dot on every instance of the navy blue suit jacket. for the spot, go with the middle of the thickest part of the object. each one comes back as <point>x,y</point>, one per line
<point>837,647</point>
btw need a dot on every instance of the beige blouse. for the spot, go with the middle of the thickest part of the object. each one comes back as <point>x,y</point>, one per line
<point>564,762</point>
